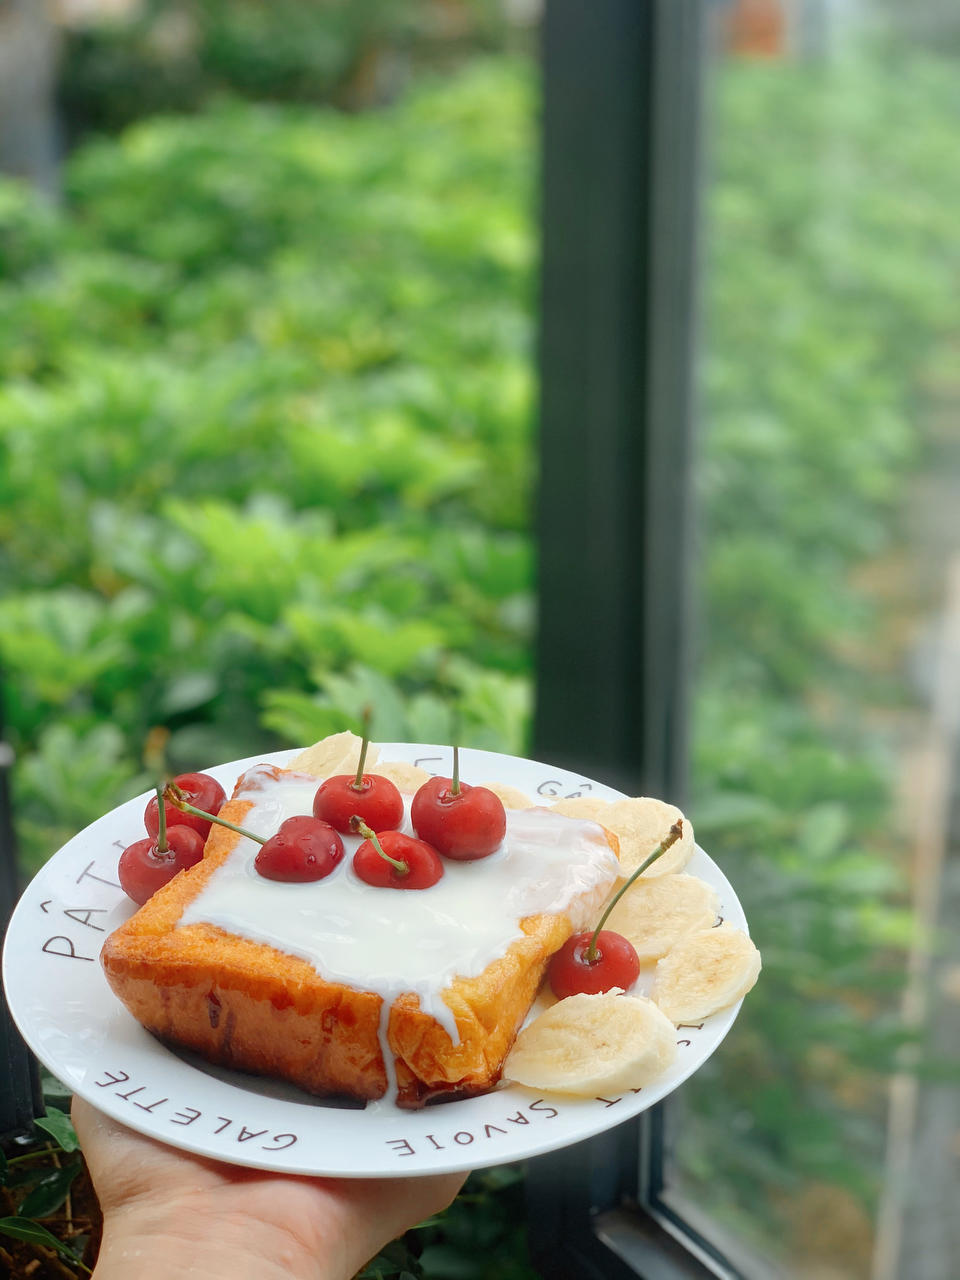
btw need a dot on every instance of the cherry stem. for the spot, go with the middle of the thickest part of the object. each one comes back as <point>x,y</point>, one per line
<point>178,799</point>
<point>676,831</point>
<point>357,783</point>
<point>455,781</point>
<point>154,750</point>
<point>357,824</point>
<point>161,821</point>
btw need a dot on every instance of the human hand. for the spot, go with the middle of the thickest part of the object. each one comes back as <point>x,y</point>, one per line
<point>166,1212</point>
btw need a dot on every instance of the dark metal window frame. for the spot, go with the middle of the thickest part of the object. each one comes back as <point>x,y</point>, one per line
<point>621,169</point>
<point>20,1098</point>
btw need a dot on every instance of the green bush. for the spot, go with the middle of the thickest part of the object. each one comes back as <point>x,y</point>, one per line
<point>831,314</point>
<point>166,55</point>
<point>264,439</point>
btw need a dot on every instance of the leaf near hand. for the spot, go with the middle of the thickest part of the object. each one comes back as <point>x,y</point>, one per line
<point>49,1193</point>
<point>57,1124</point>
<point>21,1229</point>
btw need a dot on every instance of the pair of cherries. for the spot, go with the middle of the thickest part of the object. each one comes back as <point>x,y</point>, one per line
<point>450,818</point>
<point>174,839</point>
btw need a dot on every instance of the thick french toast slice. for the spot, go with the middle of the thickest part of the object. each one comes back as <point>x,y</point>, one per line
<point>243,1003</point>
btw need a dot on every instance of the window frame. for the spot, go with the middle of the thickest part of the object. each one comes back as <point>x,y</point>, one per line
<point>20,1096</point>
<point>623,87</point>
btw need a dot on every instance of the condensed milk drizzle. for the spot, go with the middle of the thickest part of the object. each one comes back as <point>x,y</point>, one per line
<point>392,941</point>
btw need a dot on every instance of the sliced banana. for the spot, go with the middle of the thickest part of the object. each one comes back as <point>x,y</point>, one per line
<point>408,778</point>
<point>510,797</point>
<point>642,823</point>
<point>587,808</point>
<point>655,914</point>
<point>706,971</point>
<point>591,1045</point>
<point>337,753</point>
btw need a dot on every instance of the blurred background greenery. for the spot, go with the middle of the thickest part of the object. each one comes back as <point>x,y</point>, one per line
<point>266,455</point>
<point>269,371</point>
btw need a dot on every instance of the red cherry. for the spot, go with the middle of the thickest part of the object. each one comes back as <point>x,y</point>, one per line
<point>400,863</point>
<point>376,800</point>
<point>600,959</point>
<point>466,824</point>
<point>614,964</point>
<point>303,849</point>
<point>200,790</point>
<point>144,867</point>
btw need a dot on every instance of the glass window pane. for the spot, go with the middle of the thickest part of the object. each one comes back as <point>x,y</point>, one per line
<point>825,708</point>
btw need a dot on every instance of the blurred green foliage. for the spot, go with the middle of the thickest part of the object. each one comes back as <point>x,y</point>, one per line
<point>175,55</point>
<point>831,324</point>
<point>264,439</point>
<point>480,1237</point>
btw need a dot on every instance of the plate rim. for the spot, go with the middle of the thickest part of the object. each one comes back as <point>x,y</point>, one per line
<point>582,1123</point>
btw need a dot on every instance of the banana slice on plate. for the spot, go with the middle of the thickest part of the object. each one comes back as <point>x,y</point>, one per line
<point>337,753</point>
<point>655,914</point>
<point>405,777</point>
<point>591,1044</point>
<point>706,971</point>
<point>641,824</point>
<point>510,797</point>
<point>586,808</point>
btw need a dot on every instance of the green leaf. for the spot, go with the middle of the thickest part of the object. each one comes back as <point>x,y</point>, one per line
<point>188,690</point>
<point>57,1123</point>
<point>55,1092</point>
<point>823,830</point>
<point>436,1220</point>
<point>49,1193</point>
<point>730,810</point>
<point>27,1175</point>
<point>452,1262</point>
<point>394,1262</point>
<point>34,1233</point>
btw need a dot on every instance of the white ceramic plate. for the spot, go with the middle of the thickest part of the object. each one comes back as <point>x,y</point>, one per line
<point>81,1032</point>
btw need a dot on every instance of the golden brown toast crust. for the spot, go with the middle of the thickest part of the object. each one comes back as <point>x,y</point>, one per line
<point>246,1005</point>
